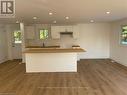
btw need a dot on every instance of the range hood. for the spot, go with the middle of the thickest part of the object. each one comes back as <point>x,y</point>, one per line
<point>66,33</point>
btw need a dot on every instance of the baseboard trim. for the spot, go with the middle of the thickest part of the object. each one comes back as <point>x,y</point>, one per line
<point>3,60</point>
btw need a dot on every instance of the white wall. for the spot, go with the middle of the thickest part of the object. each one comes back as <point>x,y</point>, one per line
<point>95,39</point>
<point>3,44</point>
<point>118,51</point>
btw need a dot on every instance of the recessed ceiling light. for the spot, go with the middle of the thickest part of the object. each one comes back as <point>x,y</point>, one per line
<point>91,20</point>
<point>107,12</point>
<point>17,21</point>
<point>50,13</point>
<point>54,21</point>
<point>67,17</point>
<point>34,17</point>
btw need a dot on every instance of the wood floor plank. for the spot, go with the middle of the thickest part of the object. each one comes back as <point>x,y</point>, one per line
<point>94,77</point>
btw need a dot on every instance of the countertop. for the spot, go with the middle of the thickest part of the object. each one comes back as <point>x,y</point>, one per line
<point>34,47</point>
<point>54,50</point>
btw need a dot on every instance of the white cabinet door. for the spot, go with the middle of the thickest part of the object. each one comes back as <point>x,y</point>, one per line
<point>62,28</point>
<point>66,28</point>
<point>75,32</point>
<point>55,32</point>
<point>30,32</point>
<point>69,28</point>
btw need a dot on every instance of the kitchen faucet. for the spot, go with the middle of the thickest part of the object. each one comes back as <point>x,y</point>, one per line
<point>43,44</point>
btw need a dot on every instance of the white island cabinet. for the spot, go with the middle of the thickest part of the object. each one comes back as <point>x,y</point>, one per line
<point>51,60</point>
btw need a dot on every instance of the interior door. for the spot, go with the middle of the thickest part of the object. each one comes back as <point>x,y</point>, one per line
<point>17,45</point>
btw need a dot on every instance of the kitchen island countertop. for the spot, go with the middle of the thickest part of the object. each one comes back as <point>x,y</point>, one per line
<point>54,50</point>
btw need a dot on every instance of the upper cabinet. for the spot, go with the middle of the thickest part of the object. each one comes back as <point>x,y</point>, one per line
<point>55,31</point>
<point>66,28</point>
<point>30,32</point>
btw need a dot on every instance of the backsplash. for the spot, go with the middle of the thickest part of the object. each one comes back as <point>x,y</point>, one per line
<point>37,42</point>
<point>66,41</point>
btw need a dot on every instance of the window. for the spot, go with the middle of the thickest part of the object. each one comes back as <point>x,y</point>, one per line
<point>17,37</point>
<point>44,34</point>
<point>124,35</point>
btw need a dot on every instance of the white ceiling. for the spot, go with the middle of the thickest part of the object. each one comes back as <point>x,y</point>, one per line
<point>79,11</point>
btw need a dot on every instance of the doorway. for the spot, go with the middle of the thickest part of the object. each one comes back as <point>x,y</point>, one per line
<point>16,45</point>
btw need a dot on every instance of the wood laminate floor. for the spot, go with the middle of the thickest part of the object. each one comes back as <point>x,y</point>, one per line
<point>94,77</point>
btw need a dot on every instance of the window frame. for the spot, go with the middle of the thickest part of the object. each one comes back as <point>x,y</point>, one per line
<point>120,35</point>
<point>39,33</point>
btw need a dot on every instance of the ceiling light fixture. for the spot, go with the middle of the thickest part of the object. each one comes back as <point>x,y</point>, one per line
<point>91,20</point>
<point>107,12</point>
<point>67,17</point>
<point>50,13</point>
<point>34,17</point>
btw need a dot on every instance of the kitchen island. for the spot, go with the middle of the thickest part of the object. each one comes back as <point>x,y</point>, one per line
<point>52,59</point>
